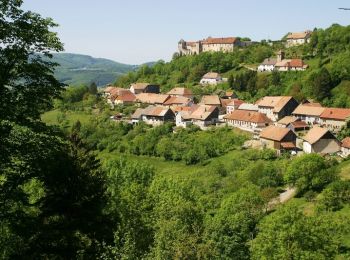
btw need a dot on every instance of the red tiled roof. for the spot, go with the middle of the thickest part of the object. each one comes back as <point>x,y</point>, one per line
<point>346,142</point>
<point>296,63</point>
<point>127,97</point>
<point>288,145</point>
<point>248,116</point>
<point>336,113</point>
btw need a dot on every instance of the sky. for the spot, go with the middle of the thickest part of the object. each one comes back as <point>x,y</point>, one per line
<point>139,31</point>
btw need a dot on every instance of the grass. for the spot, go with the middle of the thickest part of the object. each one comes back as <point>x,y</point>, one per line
<point>53,117</point>
<point>345,170</point>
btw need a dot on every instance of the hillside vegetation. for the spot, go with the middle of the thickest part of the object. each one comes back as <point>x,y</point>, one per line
<point>326,79</point>
<point>77,69</point>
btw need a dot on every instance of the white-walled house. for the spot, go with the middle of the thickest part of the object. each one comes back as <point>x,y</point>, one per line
<point>267,65</point>
<point>233,105</point>
<point>298,38</point>
<point>211,78</point>
<point>247,120</point>
<point>335,118</point>
<point>320,140</point>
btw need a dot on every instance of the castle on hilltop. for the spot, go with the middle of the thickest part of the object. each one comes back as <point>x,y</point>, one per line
<point>210,45</point>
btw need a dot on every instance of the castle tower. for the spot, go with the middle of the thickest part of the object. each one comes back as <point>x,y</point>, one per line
<point>280,56</point>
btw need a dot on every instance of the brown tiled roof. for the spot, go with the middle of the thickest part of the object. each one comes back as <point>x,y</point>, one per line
<point>336,113</point>
<point>248,116</point>
<point>139,86</point>
<point>287,120</point>
<point>151,98</point>
<point>108,89</point>
<point>202,112</point>
<point>180,92</point>
<point>227,40</point>
<point>235,102</point>
<point>298,35</point>
<point>298,63</point>
<point>177,101</point>
<point>127,96</point>
<point>308,110</point>
<point>274,133</point>
<point>315,134</point>
<point>211,100</point>
<point>155,111</point>
<point>183,108</point>
<point>211,75</point>
<point>346,142</point>
<point>229,93</point>
<point>288,145</point>
<point>299,124</point>
<point>275,102</point>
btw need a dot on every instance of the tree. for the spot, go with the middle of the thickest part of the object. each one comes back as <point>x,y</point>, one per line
<point>289,234</point>
<point>335,196</point>
<point>231,81</point>
<point>322,84</point>
<point>233,225</point>
<point>309,172</point>
<point>93,88</point>
<point>27,83</point>
<point>276,78</point>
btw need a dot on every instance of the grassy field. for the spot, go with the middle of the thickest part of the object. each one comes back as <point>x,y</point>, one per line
<point>53,117</point>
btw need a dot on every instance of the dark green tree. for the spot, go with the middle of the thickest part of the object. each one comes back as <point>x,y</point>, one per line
<point>322,84</point>
<point>93,88</point>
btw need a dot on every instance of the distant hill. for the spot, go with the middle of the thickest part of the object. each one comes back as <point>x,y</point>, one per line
<point>77,69</point>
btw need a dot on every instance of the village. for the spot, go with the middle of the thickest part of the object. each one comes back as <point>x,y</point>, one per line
<point>277,122</point>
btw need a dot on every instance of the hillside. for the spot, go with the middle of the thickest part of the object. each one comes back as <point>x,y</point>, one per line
<point>77,69</point>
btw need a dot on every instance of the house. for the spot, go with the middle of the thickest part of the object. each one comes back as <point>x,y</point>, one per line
<point>286,121</point>
<point>320,140</point>
<point>298,38</point>
<point>204,115</point>
<point>178,101</point>
<point>233,105</point>
<point>220,44</point>
<point>126,98</point>
<point>211,78</point>
<point>248,107</point>
<point>181,92</point>
<point>151,98</point>
<point>278,138</point>
<point>154,115</point>
<point>210,44</point>
<point>136,117</point>
<point>335,118</point>
<point>276,107</point>
<point>182,115</point>
<point>247,120</point>
<point>345,147</point>
<point>308,113</point>
<point>267,65</point>
<point>283,64</point>
<point>298,126</point>
<point>291,64</point>
<point>211,100</point>
<point>137,88</point>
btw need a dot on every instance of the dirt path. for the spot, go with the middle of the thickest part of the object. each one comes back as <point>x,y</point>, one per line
<point>283,197</point>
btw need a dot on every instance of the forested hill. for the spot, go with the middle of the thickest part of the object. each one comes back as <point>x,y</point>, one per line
<point>325,80</point>
<point>77,69</point>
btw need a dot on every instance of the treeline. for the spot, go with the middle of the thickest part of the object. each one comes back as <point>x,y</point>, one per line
<point>190,145</point>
